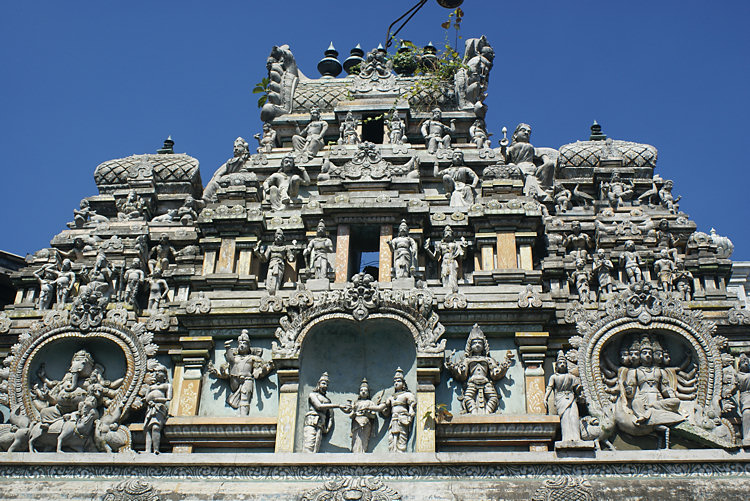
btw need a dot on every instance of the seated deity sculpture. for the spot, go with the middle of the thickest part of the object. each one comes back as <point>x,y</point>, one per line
<point>161,255</point>
<point>537,168</point>
<point>478,134</point>
<point>478,371</point>
<point>310,140</point>
<point>616,191</point>
<point>267,141</point>
<point>436,134</point>
<point>459,181</point>
<point>132,208</point>
<point>238,163</point>
<point>578,241</point>
<point>282,187</point>
<point>86,214</point>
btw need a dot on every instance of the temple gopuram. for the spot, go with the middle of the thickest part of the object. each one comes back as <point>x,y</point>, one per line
<point>379,301</point>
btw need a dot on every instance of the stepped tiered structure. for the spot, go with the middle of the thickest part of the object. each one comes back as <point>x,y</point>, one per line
<point>381,301</point>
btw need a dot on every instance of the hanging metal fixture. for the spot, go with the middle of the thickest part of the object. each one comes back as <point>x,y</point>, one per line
<point>390,36</point>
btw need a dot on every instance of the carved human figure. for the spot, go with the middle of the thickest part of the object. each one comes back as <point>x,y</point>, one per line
<point>133,278</point>
<point>64,283</point>
<point>580,278</point>
<point>615,191</point>
<point>161,255</point>
<point>459,181</point>
<point>80,423</point>
<point>396,129</point>
<point>743,392</point>
<point>267,141</point>
<point>244,365</point>
<point>436,134</point>
<point>478,60</point>
<point>665,267</point>
<point>478,134</point>
<point>363,413</point>
<point>478,371</point>
<point>348,130</point>
<point>578,241</point>
<point>46,277</point>
<point>603,268</point>
<point>187,213</point>
<point>310,140</point>
<point>404,250</point>
<point>277,255</point>
<point>101,276</point>
<point>562,197</point>
<point>157,290</point>
<point>131,208</point>
<point>682,281</point>
<point>448,252</point>
<point>567,390</point>
<point>319,417</point>
<point>282,187</point>
<point>669,201</point>
<point>158,395</point>
<point>537,168</point>
<point>631,263</point>
<point>55,399</point>
<point>317,251</point>
<point>238,162</point>
<point>664,238</point>
<point>86,214</point>
<point>401,407</point>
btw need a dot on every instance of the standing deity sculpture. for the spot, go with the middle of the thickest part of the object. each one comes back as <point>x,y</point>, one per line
<point>309,141</point>
<point>449,253</point>
<point>363,413</point>
<point>580,278</point>
<point>567,390</point>
<point>267,141</point>
<point>239,162</point>
<point>348,130</point>
<point>743,392</point>
<point>630,261</point>
<point>46,277</point>
<point>665,268</point>
<point>538,168</point>
<point>317,251</point>
<point>396,129</point>
<point>682,281</point>
<point>277,255</point>
<point>319,417</point>
<point>158,394</point>
<point>459,181</point>
<point>478,371</point>
<point>161,255</point>
<point>282,187</point>
<point>436,134</point>
<point>401,407</point>
<point>579,242</point>
<point>404,250</point>
<point>157,290</point>
<point>133,280</point>
<point>478,134</point>
<point>244,365</point>
<point>667,200</point>
<point>615,191</point>
<point>603,268</point>
<point>64,283</point>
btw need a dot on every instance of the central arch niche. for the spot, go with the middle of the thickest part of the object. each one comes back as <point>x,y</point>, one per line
<point>348,351</point>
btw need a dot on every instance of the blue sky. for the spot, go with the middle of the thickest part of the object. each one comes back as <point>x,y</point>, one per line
<point>83,82</point>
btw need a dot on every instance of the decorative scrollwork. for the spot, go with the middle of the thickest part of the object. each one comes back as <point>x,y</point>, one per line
<point>5,323</point>
<point>88,309</point>
<point>529,298</point>
<point>369,488</point>
<point>198,305</point>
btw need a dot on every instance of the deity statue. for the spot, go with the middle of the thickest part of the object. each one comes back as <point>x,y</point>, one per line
<point>86,214</point>
<point>682,281</point>
<point>101,276</point>
<point>65,282</point>
<point>267,141</point>
<point>310,140</point>
<point>478,60</point>
<point>157,290</point>
<point>478,134</point>
<point>616,191</point>
<point>132,208</point>
<point>567,390</point>
<point>282,187</point>
<point>277,255</point>
<point>537,168</point>
<point>239,162</point>
<point>133,278</point>
<point>404,250</point>
<point>580,278</point>
<point>631,262</point>
<point>562,197</point>
<point>188,212</point>
<point>319,418</point>
<point>158,394</point>
<point>396,129</point>
<point>579,241</point>
<point>478,371</point>
<point>363,413</point>
<point>459,180</point>
<point>283,76</point>
<point>669,201</point>
<point>664,267</point>
<point>348,130</point>
<point>317,251</point>
<point>244,365</point>
<point>46,277</point>
<point>603,268</point>
<point>664,238</point>
<point>743,391</point>
<point>448,252</point>
<point>435,133</point>
<point>401,407</point>
<point>161,255</point>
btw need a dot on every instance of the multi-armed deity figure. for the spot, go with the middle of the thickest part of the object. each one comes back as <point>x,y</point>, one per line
<point>101,276</point>
<point>396,129</point>
<point>401,407</point>
<point>538,169</point>
<point>282,187</point>
<point>317,251</point>
<point>239,162</point>
<point>567,391</point>
<point>459,180</point>
<point>244,365</point>
<point>319,417</point>
<point>631,263</point>
<point>436,134</point>
<point>404,252</point>
<point>478,372</point>
<point>158,394</point>
<point>449,253</point>
<point>132,208</point>
<point>310,140</point>
<point>348,130</point>
<point>363,413</point>
<point>277,255</point>
<point>267,141</point>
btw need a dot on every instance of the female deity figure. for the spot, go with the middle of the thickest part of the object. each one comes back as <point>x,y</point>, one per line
<point>567,390</point>
<point>158,396</point>
<point>317,252</point>
<point>363,414</point>
<point>448,252</point>
<point>404,252</point>
<point>478,371</point>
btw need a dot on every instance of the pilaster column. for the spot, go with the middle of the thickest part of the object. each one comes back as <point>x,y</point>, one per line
<point>486,243</point>
<point>286,422</point>
<point>245,246</point>
<point>386,255</point>
<point>342,253</point>
<point>428,376</point>
<point>525,241</point>
<point>533,348</point>
<point>225,262</point>
<point>506,251</point>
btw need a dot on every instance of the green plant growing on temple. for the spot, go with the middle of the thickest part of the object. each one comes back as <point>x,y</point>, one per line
<point>262,87</point>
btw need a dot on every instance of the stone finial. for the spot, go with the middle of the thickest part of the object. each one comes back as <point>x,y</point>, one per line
<point>168,148</point>
<point>329,66</point>
<point>596,132</point>
<point>356,57</point>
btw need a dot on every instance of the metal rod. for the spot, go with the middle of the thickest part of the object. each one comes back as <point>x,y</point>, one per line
<point>389,36</point>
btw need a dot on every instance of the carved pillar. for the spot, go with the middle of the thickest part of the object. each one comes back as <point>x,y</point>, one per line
<point>525,241</point>
<point>225,262</point>
<point>386,258</point>
<point>342,253</point>
<point>245,262</point>
<point>286,422</point>
<point>506,251</point>
<point>189,361</point>
<point>428,376</point>
<point>211,248</point>
<point>485,258</point>
<point>533,347</point>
